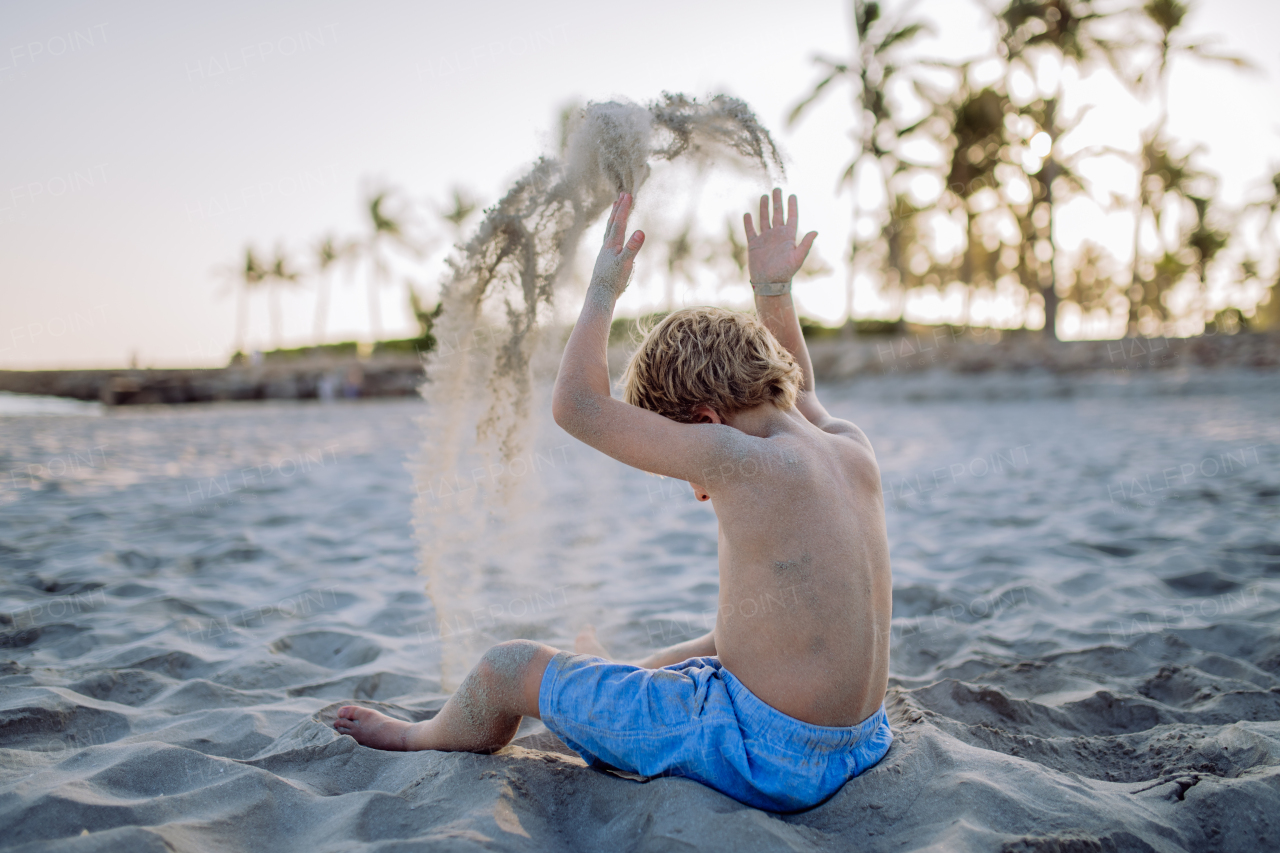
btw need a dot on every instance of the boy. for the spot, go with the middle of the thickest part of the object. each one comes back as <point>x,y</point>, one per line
<point>783,701</point>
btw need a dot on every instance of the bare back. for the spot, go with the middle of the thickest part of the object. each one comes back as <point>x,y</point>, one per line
<point>805,587</point>
<point>805,590</point>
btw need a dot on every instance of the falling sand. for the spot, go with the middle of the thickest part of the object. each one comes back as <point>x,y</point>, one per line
<point>499,292</point>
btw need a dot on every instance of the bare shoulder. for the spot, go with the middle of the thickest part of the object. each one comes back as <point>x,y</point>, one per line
<point>849,430</point>
<point>852,447</point>
<point>817,414</point>
<point>850,435</point>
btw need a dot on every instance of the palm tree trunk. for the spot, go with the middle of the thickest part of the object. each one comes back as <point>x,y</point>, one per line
<point>276,331</point>
<point>853,261</point>
<point>967,265</point>
<point>1135,276</point>
<point>1050,289</point>
<point>242,315</point>
<point>375,310</point>
<point>322,307</point>
<point>847,330</point>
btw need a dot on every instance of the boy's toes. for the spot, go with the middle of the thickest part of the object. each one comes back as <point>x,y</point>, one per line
<point>348,718</point>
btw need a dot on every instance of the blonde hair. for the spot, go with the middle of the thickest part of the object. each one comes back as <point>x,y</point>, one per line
<point>726,360</point>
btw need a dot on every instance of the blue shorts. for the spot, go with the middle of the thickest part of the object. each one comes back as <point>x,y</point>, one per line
<point>695,719</point>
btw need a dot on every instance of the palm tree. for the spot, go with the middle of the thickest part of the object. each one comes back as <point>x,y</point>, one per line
<point>1168,16</point>
<point>1163,182</point>
<point>1272,204</point>
<point>1161,175</point>
<point>1092,284</point>
<point>280,276</point>
<point>978,146</point>
<point>464,206</point>
<point>328,252</point>
<point>386,230</point>
<point>1069,32</point>
<point>1206,240</point>
<point>1268,314</point>
<point>244,277</point>
<point>869,71</point>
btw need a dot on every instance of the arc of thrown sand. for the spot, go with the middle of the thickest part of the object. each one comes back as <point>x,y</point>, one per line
<point>520,254</point>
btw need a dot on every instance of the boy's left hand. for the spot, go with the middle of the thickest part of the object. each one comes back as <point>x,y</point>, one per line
<point>772,255</point>
<point>613,264</point>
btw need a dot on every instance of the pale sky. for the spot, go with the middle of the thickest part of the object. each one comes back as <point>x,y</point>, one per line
<point>145,143</point>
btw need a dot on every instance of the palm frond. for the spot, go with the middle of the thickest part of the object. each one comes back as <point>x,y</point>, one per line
<point>1202,51</point>
<point>865,14</point>
<point>912,128</point>
<point>847,176</point>
<point>902,35</point>
<point>799,108</point>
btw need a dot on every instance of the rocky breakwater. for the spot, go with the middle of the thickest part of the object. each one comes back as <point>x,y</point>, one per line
<point>953,350</point>
<point>920,350</point>
<point>981,351</point>
<point>384,376</point>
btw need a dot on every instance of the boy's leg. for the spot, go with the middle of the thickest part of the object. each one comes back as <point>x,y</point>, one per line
<point>482,716</point>
<point>588,643</point>
<point>699,647</point>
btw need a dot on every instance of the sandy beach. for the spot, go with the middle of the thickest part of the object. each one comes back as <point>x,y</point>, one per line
<point>1086,651</point>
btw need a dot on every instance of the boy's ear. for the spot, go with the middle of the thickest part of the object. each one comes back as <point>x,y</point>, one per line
<point>706,415</point>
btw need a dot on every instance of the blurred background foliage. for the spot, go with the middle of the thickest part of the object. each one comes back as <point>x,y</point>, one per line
<point>956,176</point>
<point>997,132</point>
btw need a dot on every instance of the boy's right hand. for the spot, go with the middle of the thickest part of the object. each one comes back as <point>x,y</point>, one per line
<point>613,264</point>
<point>772,255</point>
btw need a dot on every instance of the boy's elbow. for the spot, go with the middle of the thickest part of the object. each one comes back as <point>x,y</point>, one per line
<point>568,409</point>
<point>559,409</point>
<point>577,402</point>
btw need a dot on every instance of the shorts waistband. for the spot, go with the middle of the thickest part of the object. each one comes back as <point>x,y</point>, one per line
<point>808,736</point>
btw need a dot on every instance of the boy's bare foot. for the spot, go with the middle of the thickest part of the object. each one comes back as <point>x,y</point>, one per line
<point>373,728</point>
<point>586,643</point>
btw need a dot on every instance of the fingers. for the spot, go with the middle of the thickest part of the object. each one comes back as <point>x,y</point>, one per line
<point>624,211</point>
<point>751,231</point>
<point>618,220</point>
<point>633,246</point>
<point>776,220</point>
<point>807,243</point>
<point>608,226</point>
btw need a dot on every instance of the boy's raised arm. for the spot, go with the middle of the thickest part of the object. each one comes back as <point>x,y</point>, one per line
<point>583,380</point>
<point>773,259</point>
<point>582,404</point>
